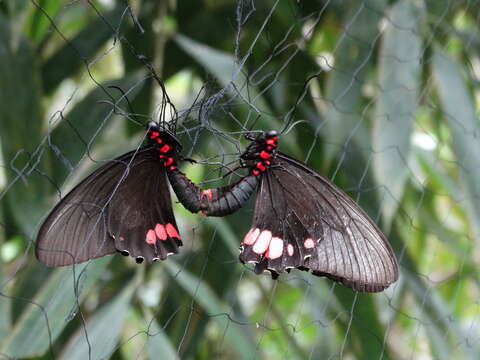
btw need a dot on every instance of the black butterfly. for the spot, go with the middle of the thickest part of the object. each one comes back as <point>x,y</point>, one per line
<point>124,206</point>
<point>301,220</point>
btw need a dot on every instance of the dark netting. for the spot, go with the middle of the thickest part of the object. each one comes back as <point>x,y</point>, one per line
<point>379,96</point>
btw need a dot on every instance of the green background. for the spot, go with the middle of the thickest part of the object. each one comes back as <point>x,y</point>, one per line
<point>380,96</point>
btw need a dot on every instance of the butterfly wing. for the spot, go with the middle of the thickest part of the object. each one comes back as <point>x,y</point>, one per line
<point>304,221</point>
<point>123,206</point>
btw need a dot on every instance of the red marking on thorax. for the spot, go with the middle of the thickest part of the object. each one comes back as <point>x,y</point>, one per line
<point>260,166</point>
<point>208,193</point>
<point>272,141</point>
<point>171,231</point>
<point>264,155</point>
<point>165,148</point>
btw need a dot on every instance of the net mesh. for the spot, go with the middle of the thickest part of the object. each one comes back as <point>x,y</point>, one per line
<point>380,96</point>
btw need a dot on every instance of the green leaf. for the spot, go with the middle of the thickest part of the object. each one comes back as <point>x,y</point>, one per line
<point>73,137</point>
<point>399,82</point>
<point>159,343</point>
<point>103,328</point>
<point>20,135</point>
<point>5,301</point>
<point>459,111</point>
<point>223,66</point>
<point>203,295</point>
<point>48,313</point>
<point>39,22</point>
<point>354,53</point>
<point>80,50</point>
<point>363,332</point>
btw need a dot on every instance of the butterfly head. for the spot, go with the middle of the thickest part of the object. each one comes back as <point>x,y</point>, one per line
<point>260,153</point>
<point>165,142</point>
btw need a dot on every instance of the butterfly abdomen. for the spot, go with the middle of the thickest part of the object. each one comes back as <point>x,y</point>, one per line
<point>219,201</point>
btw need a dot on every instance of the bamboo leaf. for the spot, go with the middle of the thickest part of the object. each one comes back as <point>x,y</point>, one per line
<point>204,296</point>
<point>44,319</point>
<point>159,343</point>
<point>80,50</point>
<point>223,66</point>
<point>103,329</point>
<point>39,22</point>
<point>459,111</point>
<point>74,135</point>
<point>397,103</point>
<point>20,111</point>
<point>352,58</point>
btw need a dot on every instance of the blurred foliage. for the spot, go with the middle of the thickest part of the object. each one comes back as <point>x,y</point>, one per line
<point>382,96</point>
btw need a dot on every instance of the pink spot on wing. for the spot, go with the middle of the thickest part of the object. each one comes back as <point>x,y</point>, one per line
<point>208,193</point>
<point>309,243</point>
<point>275,249</point>
<point>160,231</point>
<point>121,238</point>
<point>150,238</point>
<point>172,232</point>
<point>251,236</point>
<point>261,245</point>
<point>290,249</point>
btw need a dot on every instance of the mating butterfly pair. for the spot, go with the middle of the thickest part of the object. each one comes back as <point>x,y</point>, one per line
<point>301,219</point>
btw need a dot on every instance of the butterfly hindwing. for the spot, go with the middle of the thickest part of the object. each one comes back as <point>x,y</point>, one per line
<point>112,210</point>
<point>142,222</point>
<point>306,222</point>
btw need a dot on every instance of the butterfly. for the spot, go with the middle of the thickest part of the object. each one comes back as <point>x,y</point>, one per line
<point>301,220</point>
<point>124,206</point>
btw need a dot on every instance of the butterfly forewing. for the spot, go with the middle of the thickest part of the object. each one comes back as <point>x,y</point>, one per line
<point>306,222</point>
<point>112,210</point>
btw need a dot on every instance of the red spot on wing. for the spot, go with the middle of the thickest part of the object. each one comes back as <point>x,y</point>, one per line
<point>150,238</point>
<point>172,232</point>
<point>161,232</point>
<point>275,248</point>
<point>159,140</point>
<point>168,162</point>
<point>154,134</point>
<point>171,168</point>
<point>251,236</point>
<point>255,172</point>
<point>121,238</point>
<point>290,249</point>
<point>309,243</point>
<point>263,241</point>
